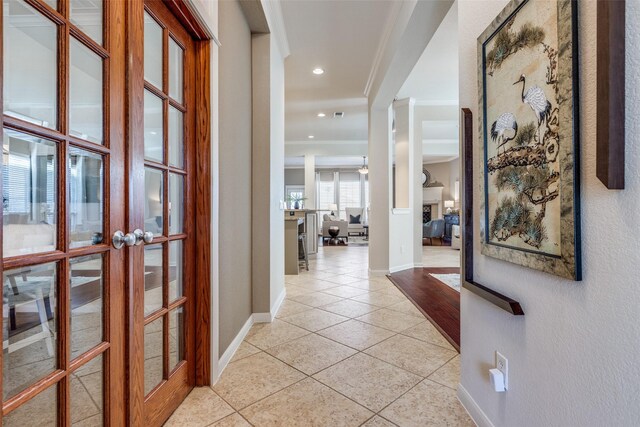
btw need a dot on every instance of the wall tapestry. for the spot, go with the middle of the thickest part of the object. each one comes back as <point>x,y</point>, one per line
<point>528,83</point>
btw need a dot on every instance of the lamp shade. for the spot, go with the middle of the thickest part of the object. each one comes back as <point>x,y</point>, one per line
<point>449,204</point>
<point>333,207</point>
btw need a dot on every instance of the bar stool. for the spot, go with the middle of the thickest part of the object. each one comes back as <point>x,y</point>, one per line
<point>302,249</point>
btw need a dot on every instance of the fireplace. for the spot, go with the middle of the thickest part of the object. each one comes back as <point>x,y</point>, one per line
<point>426,213</point>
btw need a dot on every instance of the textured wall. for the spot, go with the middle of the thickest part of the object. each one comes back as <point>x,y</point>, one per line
<point>234,172</point>
<point>573,356</point>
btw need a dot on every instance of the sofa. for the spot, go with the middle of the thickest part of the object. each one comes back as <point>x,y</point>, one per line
<point>355,228</point>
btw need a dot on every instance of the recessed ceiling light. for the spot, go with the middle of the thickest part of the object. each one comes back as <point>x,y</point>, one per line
<point>321,114</point>
<point>311,137</point>
<point>318,71</point>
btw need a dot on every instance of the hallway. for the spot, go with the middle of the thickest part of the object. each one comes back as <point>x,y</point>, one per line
<point>344,350</point>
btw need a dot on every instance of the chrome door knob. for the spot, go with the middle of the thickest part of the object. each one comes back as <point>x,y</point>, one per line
<point>120,239</point>
<point>147,237</point>
<point>143,236</point>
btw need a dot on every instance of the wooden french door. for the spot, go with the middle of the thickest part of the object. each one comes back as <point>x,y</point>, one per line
<point>162,350</point>
<point>63,158</point>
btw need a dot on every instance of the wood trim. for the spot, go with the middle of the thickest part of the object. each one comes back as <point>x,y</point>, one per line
<point>189,19</point>
<point>134,305</point>
<point>508,304</point>
<point>610,155</point>
<point>467,193</point>
<point>203,215</point>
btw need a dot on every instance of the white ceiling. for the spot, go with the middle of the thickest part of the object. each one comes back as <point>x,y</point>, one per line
<point>435,77</point>
<point>433,83</point>
<point>325,162</point>
<point>341,37</point>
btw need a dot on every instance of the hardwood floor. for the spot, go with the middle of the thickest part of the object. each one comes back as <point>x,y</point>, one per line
<point>437,301</point>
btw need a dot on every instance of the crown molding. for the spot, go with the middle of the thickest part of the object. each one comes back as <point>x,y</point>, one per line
<point>273,13</point>
<point>442,103</point>
<point>382,46</point>
<point>444,160</point>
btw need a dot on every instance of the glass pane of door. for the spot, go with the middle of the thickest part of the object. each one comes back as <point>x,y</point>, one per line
<point>29,194</point>
<point>85,93</point>
<point>87,15</point>
<point>152,51</point>
<point>153,354</point>
<point>41,411</point>
<point>86,198</point>
<point>30,93</point>
<point>29,319</point>
<point>87,301</point>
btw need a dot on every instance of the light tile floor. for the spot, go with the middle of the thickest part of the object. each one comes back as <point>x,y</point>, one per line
<point>440,256</point>
<point>345,349</point>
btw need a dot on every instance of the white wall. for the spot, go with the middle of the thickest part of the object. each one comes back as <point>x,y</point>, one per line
<point>573,357</point>
<point>446,173</point>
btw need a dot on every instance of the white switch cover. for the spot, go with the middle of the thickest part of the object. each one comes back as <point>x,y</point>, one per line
<point>503,365</point>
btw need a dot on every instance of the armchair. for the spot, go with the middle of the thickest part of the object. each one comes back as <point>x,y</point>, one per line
<point>433,229</point>
<point>356,227</point>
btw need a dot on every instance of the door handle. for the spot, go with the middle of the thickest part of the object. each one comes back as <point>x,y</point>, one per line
<point>120,239</point>
<point>142,236</point>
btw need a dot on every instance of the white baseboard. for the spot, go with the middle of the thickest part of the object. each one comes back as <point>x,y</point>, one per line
<point>476,414</point>
<point>233,347</point>
<point>268,317</point>
<point>400,268</point>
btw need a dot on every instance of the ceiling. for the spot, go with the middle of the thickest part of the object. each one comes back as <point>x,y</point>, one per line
<point>325,162</point>
<point>341,37</point>
<point>435,77</point>
<point>433,83</point>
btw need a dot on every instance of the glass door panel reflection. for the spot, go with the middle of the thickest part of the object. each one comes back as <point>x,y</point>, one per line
<point>176,71</point>
<point>87,15</point>
<point>86,303</point>
<point>153,278</point>
<point>175,270</point>
<point>176,203</point>
<point>29,322</point>
<point>86,198</point>
<point>176,337</point>
<point>29,194</point>
<point>152,51</point>
<point>85,93</point>
<point>154,201</point>
<point>30,92</point>
<point>153,354</point>
<point>176,137</point>
<point>41,411</point>
<point>153,129</point>
<point>87,394</point>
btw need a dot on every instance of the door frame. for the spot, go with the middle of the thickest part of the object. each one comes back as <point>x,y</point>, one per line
<point>134,23</point>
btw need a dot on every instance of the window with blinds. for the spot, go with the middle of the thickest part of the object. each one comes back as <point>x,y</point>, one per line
<point>326,191</point>
<point>350,195</point>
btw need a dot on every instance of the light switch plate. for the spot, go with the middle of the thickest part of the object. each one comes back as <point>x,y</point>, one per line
<point>503,365</point>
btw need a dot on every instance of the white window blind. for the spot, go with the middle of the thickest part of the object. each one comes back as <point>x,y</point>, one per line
<point>349,190</point>
<point>17,177</point>
<point>326,191</point>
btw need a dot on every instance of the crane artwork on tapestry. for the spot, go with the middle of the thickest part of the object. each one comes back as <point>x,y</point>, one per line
<point>522,141</point>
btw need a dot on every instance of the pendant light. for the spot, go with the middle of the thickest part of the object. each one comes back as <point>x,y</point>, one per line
<point>364,169</point>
